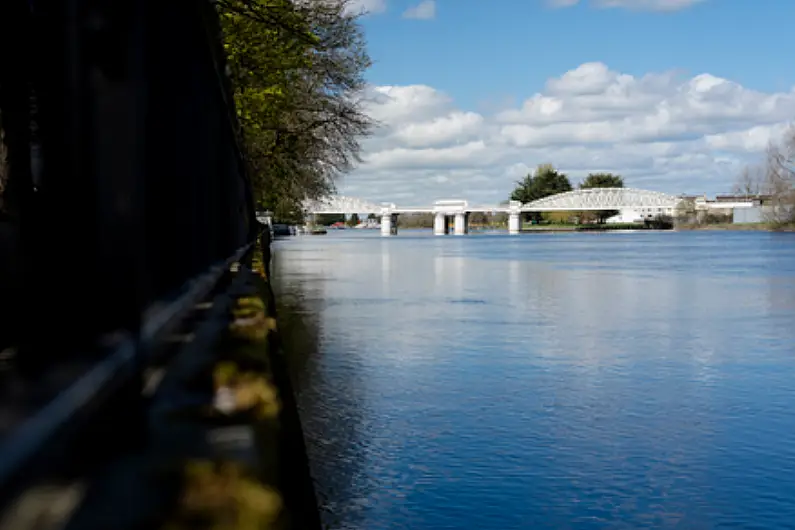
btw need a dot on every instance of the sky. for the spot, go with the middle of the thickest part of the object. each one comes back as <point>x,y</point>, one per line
<point>471,95</point>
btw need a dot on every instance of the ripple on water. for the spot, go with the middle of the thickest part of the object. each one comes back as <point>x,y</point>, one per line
<point>579,381</point>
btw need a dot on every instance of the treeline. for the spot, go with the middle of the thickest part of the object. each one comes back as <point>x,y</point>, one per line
<point>546,181</point>
<point>476,220</point>
<point>296,68</point>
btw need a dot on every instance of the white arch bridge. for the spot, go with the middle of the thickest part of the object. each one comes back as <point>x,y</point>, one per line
<point>645,203</point>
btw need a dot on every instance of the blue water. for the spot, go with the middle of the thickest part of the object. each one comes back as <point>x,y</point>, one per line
<point>616,380</point>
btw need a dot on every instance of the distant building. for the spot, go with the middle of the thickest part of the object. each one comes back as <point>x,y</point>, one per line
<point>726,205</point>
<point>638,215</point>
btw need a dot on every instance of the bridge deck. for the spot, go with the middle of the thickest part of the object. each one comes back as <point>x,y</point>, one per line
<point>593,199</point>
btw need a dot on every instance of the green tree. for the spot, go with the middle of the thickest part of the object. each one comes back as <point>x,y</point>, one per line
<point>297,73</point>
<point>354,220</point>
<point>601,180</point>
<point>544,182</point>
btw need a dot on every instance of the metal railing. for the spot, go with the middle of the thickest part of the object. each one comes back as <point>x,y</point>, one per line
<point>42,444</point>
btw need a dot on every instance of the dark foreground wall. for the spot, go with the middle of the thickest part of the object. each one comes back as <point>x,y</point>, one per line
<point>125,169</point>
<point>126,207</point>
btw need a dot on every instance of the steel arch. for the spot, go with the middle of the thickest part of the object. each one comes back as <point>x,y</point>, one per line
<point>340,204</point>
<point>603,199</point>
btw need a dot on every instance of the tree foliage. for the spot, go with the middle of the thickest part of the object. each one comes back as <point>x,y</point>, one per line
<point>297,73</point>
<point>602,180</point>
<point>544,182</point>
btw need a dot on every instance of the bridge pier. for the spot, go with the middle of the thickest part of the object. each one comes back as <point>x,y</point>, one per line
<point>461,223</point>
<point>514,217</point>
<point>440,227</point>
<point>514,223</point>
<point>389,224</point>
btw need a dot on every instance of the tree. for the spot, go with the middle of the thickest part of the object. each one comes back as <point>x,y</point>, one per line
<point>750,181</point>
<point>601,180</point>
<point>545,182</point>
<point>774,181</point>
<point>372,216</point>
<point>685,212</point>
<point>779,183</point>
<point>296,69</point>
<point>354,220</point>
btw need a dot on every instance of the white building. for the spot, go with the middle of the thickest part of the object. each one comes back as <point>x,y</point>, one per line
<point>638,215</point>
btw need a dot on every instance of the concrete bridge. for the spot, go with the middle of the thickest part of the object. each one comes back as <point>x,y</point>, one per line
<point>647,204</point>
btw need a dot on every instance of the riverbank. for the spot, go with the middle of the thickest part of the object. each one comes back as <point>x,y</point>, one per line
<point>239,457</point>
<point>527,228</point>
<point>757,227</point>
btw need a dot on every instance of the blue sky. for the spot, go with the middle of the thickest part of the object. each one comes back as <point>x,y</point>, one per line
<point>474,48</point>
<point>488,58</point>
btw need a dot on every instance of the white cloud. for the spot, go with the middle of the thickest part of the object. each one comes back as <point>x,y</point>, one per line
<point>661,131</point>
<point>454,127</point>
<point>425,10</point>
<point>753,140</point>
<point>637,5</point>
<point>366,6</point>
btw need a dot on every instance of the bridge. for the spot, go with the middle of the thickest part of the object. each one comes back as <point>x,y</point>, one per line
<point>646,203</point>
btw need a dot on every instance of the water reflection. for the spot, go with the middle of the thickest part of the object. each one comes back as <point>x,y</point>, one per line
<point>515,298</point>
<point>386,279</point>
<point>622,381</point>
<point>320,397</point>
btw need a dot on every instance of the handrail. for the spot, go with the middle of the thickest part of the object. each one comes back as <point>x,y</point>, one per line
<point>34,441</point>
<point>27,443</point>
<point>160,320</point>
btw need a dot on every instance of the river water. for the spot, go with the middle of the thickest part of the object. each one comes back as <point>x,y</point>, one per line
<point>615,380</point>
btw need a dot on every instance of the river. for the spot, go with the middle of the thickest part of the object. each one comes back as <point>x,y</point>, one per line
<point>609,380</point>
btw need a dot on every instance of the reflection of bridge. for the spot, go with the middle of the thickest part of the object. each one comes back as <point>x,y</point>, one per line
<point>646,203</point>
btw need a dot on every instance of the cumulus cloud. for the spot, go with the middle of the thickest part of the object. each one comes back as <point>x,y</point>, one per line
<point>637,5</point>
<point>662,131</point>
<point>425,10</point>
